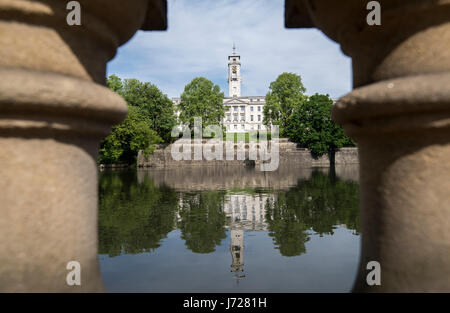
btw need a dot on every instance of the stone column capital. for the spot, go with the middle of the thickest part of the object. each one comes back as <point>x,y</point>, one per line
<point>36,36</point>
<point>39,103</point>
<point>396,106</point>
<point>412,38</point>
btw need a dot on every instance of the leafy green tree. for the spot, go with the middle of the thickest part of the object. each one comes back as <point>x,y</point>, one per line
<point>150,121</point>
<point>155,105</point>
<point>310,125</point>
<point>201,98</point>
<point>285,94</point>
<point>115,84</point>
<point>127,138</point>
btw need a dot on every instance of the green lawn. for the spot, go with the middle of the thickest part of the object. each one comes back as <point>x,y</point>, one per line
<point>253,136</point>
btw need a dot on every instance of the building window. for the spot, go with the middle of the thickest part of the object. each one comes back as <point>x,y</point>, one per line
<point>251,108</point>
<point>251,118</point>
<point>243,126</point>
<point>235,109</point>
<point>242,108</point>
<point>259,126</point>
<point>235,126</point>
<point>259,118</point>
<point>259,108</point>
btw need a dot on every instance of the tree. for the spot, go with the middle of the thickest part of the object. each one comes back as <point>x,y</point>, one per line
<point>285,94</point>
<point>201,98</point>
<point>150,121</point>
<point>310,125</point>
<point>115,84</point>
<point>127,138</point>
<point>155,105</point>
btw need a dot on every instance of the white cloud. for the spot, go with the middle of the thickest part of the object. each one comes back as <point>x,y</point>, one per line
<point>200,37</point>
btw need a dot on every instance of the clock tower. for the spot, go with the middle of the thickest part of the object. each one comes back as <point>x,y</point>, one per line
<point>234,74</point>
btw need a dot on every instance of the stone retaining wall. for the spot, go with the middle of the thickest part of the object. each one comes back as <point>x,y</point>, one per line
<point>289,154</point>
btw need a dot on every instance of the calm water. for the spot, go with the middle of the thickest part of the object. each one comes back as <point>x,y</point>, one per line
<point>229,230</point>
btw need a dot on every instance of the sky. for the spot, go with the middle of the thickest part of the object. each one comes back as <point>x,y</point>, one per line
<point>200,37</point>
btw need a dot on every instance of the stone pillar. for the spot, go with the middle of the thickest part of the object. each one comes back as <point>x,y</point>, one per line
<point>399,114</point>
<point>53,113</point>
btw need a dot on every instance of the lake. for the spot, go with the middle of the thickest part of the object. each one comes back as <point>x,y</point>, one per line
<point>229,229</point>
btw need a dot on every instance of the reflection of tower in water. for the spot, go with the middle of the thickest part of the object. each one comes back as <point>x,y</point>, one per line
<point>246,213</point>
<point>237,252</point>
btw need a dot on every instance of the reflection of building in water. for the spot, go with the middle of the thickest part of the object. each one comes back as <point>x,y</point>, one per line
<point>246,212</point>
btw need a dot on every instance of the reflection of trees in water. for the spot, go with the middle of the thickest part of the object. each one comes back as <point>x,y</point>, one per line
<point>133,217</point>
<point>319,203</point>
<point>202,220</point>
<point>288,232</point>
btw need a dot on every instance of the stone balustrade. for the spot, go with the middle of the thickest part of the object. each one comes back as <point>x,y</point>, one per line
<point>54,111</point>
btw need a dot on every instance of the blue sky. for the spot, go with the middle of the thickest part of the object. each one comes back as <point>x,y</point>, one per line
<point>200,36</point>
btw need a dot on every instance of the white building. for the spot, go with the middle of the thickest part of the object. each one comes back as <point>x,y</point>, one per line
<point>242,114</point>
